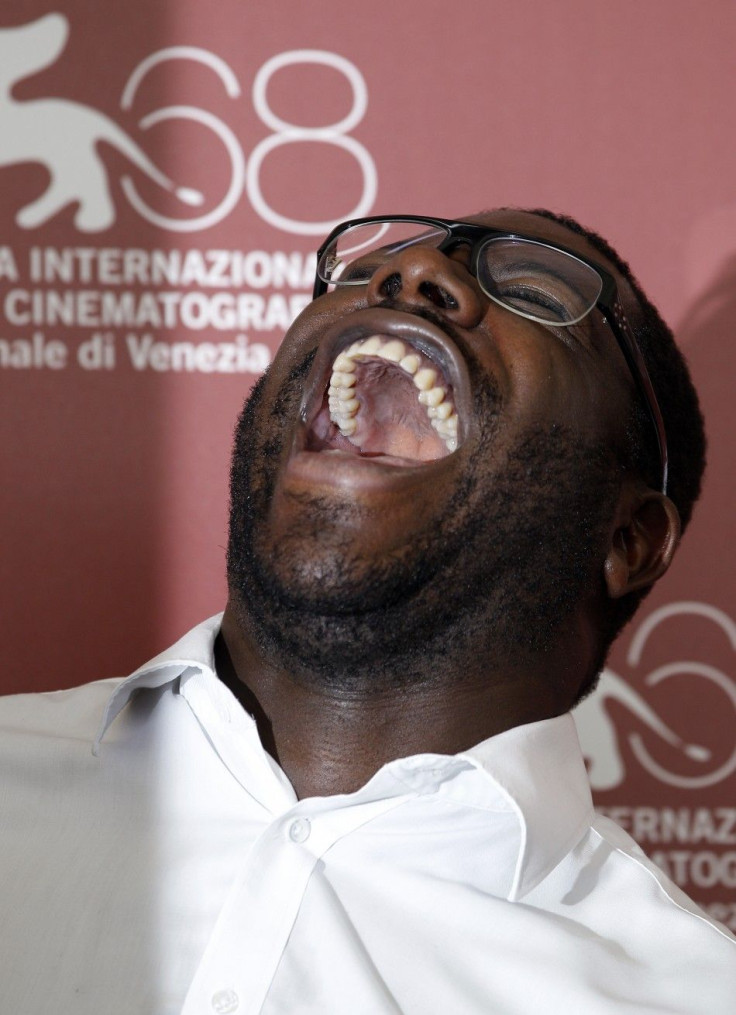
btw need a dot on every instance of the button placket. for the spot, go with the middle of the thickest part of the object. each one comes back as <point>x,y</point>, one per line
<point>254,926</point>
<point>253,929</point>
<point>225,1001</point>
<point>300,829</point>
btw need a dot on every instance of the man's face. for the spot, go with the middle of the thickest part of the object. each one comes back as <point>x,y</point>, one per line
<point>364,543</point>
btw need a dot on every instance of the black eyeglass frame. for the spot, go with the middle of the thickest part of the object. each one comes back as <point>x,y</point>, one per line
<point>608,302</point>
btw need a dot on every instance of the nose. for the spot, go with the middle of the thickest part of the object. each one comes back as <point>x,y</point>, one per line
<point>425,277</point>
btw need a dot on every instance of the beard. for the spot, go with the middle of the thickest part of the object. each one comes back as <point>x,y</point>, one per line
<point>507,560</point>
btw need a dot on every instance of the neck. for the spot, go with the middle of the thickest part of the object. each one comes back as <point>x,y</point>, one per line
<point>329,740</point>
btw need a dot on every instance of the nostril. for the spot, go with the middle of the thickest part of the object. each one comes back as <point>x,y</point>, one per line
<point>394,285</point>
<point>439,296</point>
<point>391,286</point>
<point>424,276</point>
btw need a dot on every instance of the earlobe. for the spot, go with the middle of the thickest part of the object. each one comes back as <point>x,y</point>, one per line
<point>643,544</point>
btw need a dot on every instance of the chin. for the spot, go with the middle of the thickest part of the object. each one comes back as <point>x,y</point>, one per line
<point>345,563</point>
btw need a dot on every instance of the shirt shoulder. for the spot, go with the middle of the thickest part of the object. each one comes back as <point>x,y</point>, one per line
<point>641,936</point>
<point>79,712</point>
<point>71,713</point>
<point>633,859</point>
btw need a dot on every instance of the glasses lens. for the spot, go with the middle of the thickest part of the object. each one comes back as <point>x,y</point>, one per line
<point>538,281</point>
<point>359,251</point>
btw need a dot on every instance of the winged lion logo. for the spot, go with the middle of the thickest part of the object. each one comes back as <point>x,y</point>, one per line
<point>62,135</point>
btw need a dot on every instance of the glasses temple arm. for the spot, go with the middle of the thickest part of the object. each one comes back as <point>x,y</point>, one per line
<point>637,366</point>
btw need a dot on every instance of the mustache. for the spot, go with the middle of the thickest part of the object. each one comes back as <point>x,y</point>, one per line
<point>426,314</point>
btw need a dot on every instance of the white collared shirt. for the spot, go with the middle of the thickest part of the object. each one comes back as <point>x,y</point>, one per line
<point>175,871</point>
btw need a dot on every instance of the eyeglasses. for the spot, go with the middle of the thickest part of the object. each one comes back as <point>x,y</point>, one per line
<point>543,282</point>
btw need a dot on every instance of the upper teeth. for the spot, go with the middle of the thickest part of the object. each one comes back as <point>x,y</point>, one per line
<point>432,393</point>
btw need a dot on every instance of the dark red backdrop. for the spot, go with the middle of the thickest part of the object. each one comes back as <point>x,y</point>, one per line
<point>124,303</point>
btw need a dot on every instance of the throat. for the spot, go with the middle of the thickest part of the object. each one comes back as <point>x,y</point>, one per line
<point>329,742</point>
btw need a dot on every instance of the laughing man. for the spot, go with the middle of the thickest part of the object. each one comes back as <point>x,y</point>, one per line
<point>360,789</point>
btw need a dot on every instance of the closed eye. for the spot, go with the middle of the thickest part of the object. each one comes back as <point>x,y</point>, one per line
<point>532,300</point>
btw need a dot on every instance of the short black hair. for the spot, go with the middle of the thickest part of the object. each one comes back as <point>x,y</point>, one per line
<point>678,402</point>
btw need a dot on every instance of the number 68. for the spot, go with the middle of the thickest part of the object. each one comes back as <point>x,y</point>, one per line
<point>248,177</point>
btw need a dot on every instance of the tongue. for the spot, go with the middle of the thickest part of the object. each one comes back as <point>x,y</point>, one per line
<point>390,420</point>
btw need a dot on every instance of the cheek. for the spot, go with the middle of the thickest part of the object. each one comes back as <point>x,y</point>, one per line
<point>303,337</point>
<point>547,381</point>
<point>524,358</point>
<point>543,384</point>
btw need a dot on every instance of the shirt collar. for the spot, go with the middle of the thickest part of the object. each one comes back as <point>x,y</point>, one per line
<point>195,650</point>
<point>537,767</point>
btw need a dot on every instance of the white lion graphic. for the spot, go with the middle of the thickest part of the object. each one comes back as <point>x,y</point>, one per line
<point>62,135</point>
<point>599,738</point>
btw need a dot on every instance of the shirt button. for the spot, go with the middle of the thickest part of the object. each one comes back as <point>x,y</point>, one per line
<point>225,1001</point>
<point>299,830</point>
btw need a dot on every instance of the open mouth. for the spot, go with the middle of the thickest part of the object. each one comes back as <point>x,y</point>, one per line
<point>392,393</point>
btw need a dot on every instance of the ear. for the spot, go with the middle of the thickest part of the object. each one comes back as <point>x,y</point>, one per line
<point>644,542</point>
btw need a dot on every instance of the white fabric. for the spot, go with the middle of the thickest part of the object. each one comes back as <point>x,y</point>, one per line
<point>175,871</point>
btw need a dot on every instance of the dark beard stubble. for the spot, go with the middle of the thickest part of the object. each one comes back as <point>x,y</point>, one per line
<point>504,565</point>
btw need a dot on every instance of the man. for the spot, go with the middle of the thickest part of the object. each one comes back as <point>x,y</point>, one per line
<point>360,789</point>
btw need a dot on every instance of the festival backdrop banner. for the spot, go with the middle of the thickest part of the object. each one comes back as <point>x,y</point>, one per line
<point>168,170</point>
